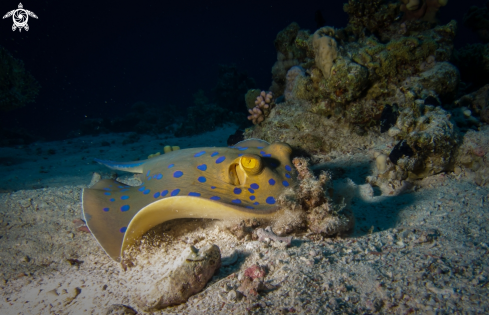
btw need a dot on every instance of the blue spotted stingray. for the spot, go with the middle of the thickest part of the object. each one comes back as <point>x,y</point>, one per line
<point>242,181</point>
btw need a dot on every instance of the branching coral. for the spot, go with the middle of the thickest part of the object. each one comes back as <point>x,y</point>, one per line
<point>264,103</point>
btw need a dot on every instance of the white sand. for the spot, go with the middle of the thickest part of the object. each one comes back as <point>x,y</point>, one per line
<point>427,253</point>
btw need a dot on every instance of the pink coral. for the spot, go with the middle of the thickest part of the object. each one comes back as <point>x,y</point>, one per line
<point>263,104</point>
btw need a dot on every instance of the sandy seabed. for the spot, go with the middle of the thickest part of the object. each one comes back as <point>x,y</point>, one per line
<point>421,252</point>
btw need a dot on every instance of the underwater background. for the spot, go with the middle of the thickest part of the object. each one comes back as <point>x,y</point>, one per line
<point>97,60</point>
<point>244,157</point>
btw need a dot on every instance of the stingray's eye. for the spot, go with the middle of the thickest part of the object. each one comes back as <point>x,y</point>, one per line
<point>251,164</point>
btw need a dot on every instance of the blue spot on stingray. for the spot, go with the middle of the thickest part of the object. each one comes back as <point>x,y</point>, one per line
<point>159,176</point>
<point>195,194</point>
<point>215,198</point>
<point>123,190</point>
<point>201,179</point>
<point>241,154</point>
<point>243,148</point>
<point>220,159</point>
<point>259,147</point>
<point>125,208</point>
<point>120,187</point>
<point>250,207</point>
<point>202,167</point>
<point>236,201</point>
<point>252,197</point>
<point>154,176</point>
<point>106,209</point>
<point>123,229</point>
<point>199,153</point>
<point>214,154</point>
<point>110,185</point>
<point>175,192</point>
<point>271,181</point>
<point>107,189</point>
<point>288,168</point>
<point>213,187</point>
<point>256,203</point>
<point>265,154</point>
<point>149,178</point>
<point>251,190</point>
<point>237,191</point>
<point>254,186</point>
<point>142,188</point>
<point>171,165</point>
<point>146,191</point>
<point>285,183</point>
<point>107,193</point>
<point>147,174</point>
<point>273,164</point>
<point>287,175</point>
<point>157,194</point>
<point>164,192</point>
<point>270,200</point>
<point>112,199</point>
<point>124,197</point>
<point>178,174</point>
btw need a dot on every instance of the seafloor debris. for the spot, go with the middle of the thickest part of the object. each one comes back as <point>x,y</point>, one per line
<point>252,282</point>
<point>120,309</point>
<point>189,275</point>
<point>267,234</point>
<point>308,205</point>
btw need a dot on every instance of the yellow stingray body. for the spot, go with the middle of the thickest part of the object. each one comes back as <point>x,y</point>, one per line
<point>242,181</point>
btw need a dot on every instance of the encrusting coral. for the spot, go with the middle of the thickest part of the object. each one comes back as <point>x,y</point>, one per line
<point>263,104</point>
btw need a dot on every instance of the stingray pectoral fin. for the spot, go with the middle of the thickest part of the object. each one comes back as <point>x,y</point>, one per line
<point>186,207</point>
<point>133,167</point>
<point>107,215</point>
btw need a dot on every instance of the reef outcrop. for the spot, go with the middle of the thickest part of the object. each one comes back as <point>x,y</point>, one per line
<point>390,74</point>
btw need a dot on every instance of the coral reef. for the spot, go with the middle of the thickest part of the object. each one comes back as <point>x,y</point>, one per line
<point>473,63</point>
<point>477,19</point>
<point>472,156</point>
<point>477,102</point>
<point>427,140</point>
<point>424,10</point>
<point>373,15</point>
<point>189,275</point>
<point>345,82</point>
<point>231,87</point>
<point>17,86</point>
<point>263,104</point>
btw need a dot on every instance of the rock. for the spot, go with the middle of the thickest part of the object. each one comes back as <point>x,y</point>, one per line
<point>191,272</point>
<point>120,309</point>
<point>72,295</point>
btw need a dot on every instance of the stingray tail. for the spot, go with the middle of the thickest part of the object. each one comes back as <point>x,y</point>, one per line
<point>133,167</point>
